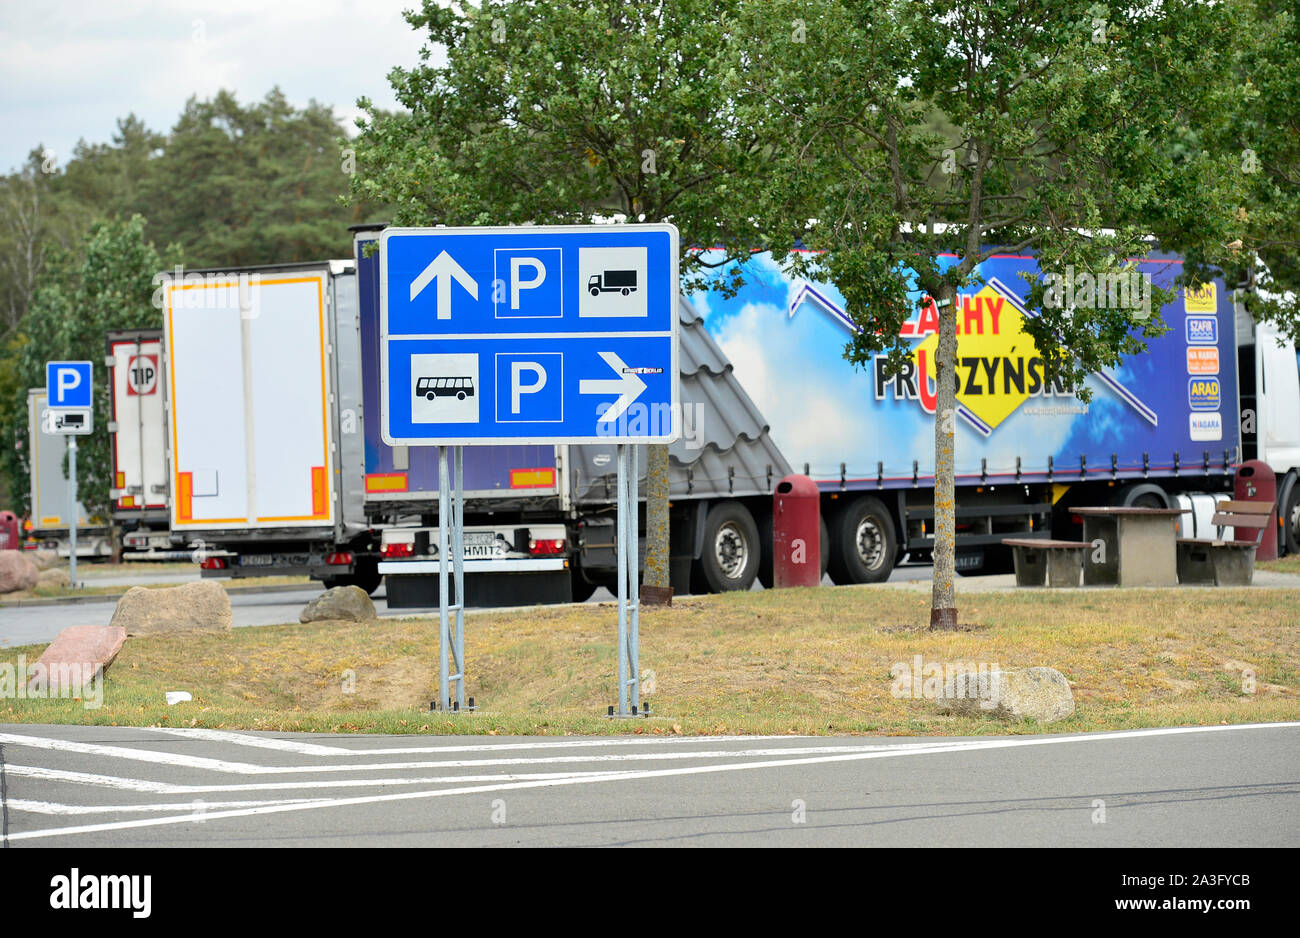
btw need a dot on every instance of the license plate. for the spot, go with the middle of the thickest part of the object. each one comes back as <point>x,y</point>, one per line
<point>480,539</point>
<point>257,560</point>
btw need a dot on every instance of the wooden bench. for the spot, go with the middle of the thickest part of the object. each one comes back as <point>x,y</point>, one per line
<point>1042,562</point>
<point>1225,562</point>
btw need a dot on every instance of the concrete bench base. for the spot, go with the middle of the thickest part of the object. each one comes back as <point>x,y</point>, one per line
<point>1048,563</point>
<point>1216,563</point>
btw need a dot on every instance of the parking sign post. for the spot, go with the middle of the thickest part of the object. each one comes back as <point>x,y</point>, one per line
<point>70,398</point>
<point>451,616</point>
<point>536,335</point>
<point>72,511</point>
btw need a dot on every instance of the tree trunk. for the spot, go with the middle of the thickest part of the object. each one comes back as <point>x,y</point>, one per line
<point>943,599</point>
<point>656,521</point>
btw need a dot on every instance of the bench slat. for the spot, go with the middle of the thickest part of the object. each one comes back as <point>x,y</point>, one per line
<point>1248,508</point>
<point>1045,544</point>
<point>1240,521</point>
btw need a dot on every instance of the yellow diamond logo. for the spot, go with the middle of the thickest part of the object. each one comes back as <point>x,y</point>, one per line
<point>994,375</point>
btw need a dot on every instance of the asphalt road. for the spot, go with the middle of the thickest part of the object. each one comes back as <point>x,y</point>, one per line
<point>115,786</point>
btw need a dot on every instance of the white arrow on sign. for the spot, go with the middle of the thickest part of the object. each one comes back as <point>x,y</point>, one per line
<point>628,386</point>
<point>444,269</point>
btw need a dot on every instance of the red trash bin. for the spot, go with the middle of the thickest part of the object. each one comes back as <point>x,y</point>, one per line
<point>1255,482</point>
<point>796,533</point>
<point>9,537</point>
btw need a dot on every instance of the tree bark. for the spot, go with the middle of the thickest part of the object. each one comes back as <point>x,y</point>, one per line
<point>943,599</point>
<point>656,523</point>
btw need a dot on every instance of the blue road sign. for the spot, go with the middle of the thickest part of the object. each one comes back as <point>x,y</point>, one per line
<point>544,334</point>
<point>68,384</point>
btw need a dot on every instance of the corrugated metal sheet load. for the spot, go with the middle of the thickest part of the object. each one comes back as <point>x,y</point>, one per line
<point>726,450</point>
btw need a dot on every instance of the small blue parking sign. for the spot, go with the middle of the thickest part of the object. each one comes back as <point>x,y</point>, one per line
<point>545,334</point>
<point>68,384</point>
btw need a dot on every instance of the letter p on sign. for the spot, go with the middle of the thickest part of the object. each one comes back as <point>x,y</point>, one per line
<point>68,384</point>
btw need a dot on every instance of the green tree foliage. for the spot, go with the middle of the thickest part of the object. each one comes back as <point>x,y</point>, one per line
<point>567,111</point>
<point>229,185</point>
<point>1261,130</point>
<point>106,284</point>
<point>1074,142</point>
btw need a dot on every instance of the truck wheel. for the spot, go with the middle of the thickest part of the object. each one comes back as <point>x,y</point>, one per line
<point>581,589</point>
<point>1290,515</point>
<point>1142,495</point>
<point>825,547</point>
<point>366,574</point>
<point>731,548</point>
<point>863,543</point>
<point>594,291</point>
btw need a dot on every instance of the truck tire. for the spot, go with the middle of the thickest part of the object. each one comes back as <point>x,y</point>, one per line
<point>864,546</point>
<point>1289,513</point>
<point>732,549</point>
<point>1142,495</point>
<point>582,590</point>
<point>365,574</point>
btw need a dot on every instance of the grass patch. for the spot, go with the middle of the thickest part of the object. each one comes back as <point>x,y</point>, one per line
<point>788,661</point>
<point>1287,564</point>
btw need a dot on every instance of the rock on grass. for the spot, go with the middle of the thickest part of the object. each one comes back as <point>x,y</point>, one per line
<point>202,606</point>
<point>1042,694</point>
<point>345,603</point>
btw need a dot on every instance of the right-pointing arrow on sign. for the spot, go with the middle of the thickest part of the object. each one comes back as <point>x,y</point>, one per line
<point>628,386</point>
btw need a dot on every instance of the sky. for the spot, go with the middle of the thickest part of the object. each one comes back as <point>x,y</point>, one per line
<point>70,68</point>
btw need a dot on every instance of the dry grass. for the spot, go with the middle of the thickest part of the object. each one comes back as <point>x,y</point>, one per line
<point>1288,564</point>
<point>800,661</point>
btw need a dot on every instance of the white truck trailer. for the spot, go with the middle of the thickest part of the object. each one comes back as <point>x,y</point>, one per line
<point>263,397</point>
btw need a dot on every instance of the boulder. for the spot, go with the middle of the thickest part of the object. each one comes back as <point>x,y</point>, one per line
<point>17,572</point>
<point>202,606</point>
<point>349,603</point>
<point>1042,694</point>
<point>53,576</point>
<point>71,660</point>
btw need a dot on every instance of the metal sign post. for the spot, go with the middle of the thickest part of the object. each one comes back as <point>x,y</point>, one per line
<point>69,394</point>
<point>629,603</point>
<point>72,511</point>
<point>531,335</point>
<point>451,616</point>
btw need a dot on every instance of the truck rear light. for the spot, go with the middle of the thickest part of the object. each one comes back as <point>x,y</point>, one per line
<point>339,559</point>
<point>398,550</point>
<point>547,545</point>
<point>213,563</point>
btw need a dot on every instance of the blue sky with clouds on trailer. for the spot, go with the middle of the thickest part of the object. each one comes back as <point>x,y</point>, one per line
<point>69,69</point>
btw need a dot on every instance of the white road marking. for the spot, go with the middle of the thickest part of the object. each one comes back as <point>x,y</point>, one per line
<point>170,788</point>
<point>198,810</point>
<point>315,749</point>
<point>996,743</point>
<point>248,768</point>
<point>243,739</point>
